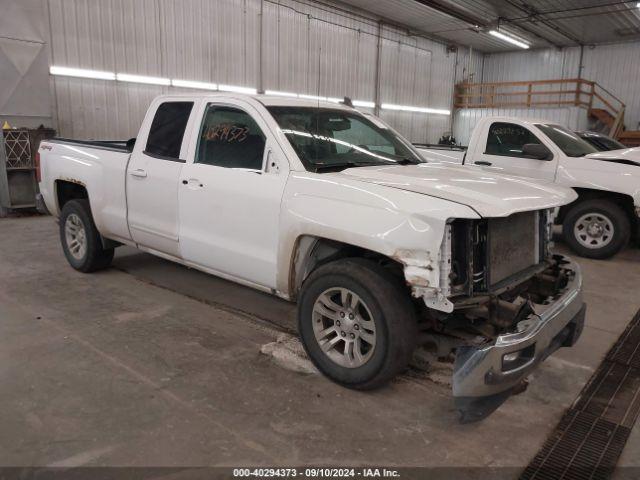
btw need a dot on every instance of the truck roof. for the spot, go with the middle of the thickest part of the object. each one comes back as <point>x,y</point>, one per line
<point>267,100</point>
<point>277,100</point>
<point>520,119</point>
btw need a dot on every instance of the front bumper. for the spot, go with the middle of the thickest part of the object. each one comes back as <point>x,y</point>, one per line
<point>483,379</point>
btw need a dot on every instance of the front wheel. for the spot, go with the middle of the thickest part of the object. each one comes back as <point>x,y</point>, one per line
<point>80,239</point>
<point>596,228</point>
<point>357,323</point>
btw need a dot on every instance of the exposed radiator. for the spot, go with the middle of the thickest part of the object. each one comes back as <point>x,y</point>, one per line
<point>513,244</point>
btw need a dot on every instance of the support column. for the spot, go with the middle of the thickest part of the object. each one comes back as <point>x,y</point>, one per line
<point>261,49</point>
<point>376,99</point>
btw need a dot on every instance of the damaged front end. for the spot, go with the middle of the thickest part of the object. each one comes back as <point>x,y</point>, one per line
<point>510,303</point>
<point>486,374</point>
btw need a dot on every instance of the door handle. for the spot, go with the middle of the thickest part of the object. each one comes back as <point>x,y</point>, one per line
<point>138,173</point>
<point>482,162</point>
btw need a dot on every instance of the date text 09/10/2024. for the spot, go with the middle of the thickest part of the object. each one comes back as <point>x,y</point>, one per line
<point>315,472</point>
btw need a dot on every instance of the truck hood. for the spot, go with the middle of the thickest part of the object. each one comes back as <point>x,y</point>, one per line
<point>626,156</point>
<point>490,195</point>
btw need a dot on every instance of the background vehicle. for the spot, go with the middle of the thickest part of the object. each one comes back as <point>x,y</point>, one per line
<point>601,141</point>
<point>322,205</point>
<point>596,225</point>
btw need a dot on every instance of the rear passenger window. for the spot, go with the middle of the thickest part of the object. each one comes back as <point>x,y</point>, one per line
<point>230,138</point>
<point>508,139</point>
<point>167,130</point>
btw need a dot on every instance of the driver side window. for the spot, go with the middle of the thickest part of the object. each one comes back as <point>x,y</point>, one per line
<point>508,139</point>
<point>230,138</point>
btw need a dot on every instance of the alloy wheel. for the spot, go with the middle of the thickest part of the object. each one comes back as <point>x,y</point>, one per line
<point>344,327</point>
<point>75,236</point>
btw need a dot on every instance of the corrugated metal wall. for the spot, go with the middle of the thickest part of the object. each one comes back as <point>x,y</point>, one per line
<point>615,67</point>
<point>312,51</point>
<point>308,48</point>
<point>531,65</point>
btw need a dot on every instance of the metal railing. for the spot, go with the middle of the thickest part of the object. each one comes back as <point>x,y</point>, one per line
<point>576,92</point>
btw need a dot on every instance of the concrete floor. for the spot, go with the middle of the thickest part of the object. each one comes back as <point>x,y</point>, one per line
<point>150,363</point>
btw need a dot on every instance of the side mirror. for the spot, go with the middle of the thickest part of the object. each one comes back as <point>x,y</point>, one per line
<point>537,151</point>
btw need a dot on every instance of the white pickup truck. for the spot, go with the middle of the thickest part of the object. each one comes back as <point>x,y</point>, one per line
<point>606,214</point>
<point>322,205</point>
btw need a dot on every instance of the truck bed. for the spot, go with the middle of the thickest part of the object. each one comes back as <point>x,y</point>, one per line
<point>99,167</point>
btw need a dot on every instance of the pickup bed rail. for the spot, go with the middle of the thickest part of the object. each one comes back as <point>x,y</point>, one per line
<point>116,145</point>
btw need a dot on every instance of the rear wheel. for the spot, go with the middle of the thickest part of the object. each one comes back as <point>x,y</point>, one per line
<point>596,228</point>
<point>80,239</point>
<point>357,323</point>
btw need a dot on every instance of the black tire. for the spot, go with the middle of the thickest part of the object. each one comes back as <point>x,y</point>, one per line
<point>390,306</point>
<point>601,208</point>
<point>95,257</point>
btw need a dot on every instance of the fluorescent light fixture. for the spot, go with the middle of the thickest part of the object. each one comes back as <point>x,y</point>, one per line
<point>406,108</point>
<point>233,88</point>
<point>322,99</point>
<point>356,103</point>
<point>191,84</point>
<point>311,97</point>
<point>508,39</point>
<point>364,103</point>
<point>80,72</point>
<point>280,94</point>
<point>125,77</point>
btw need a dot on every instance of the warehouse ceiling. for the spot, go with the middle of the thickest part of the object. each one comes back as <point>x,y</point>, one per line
<point>540,23</point>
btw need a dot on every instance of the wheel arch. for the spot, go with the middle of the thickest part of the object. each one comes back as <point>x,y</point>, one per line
<point>622,200</point>
<point>68,189</point>
<point>311,251</point>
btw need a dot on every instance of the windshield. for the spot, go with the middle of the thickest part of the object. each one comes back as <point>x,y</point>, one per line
<point>332,139</point>
<point>570,143</point>
<point>602,143</point>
